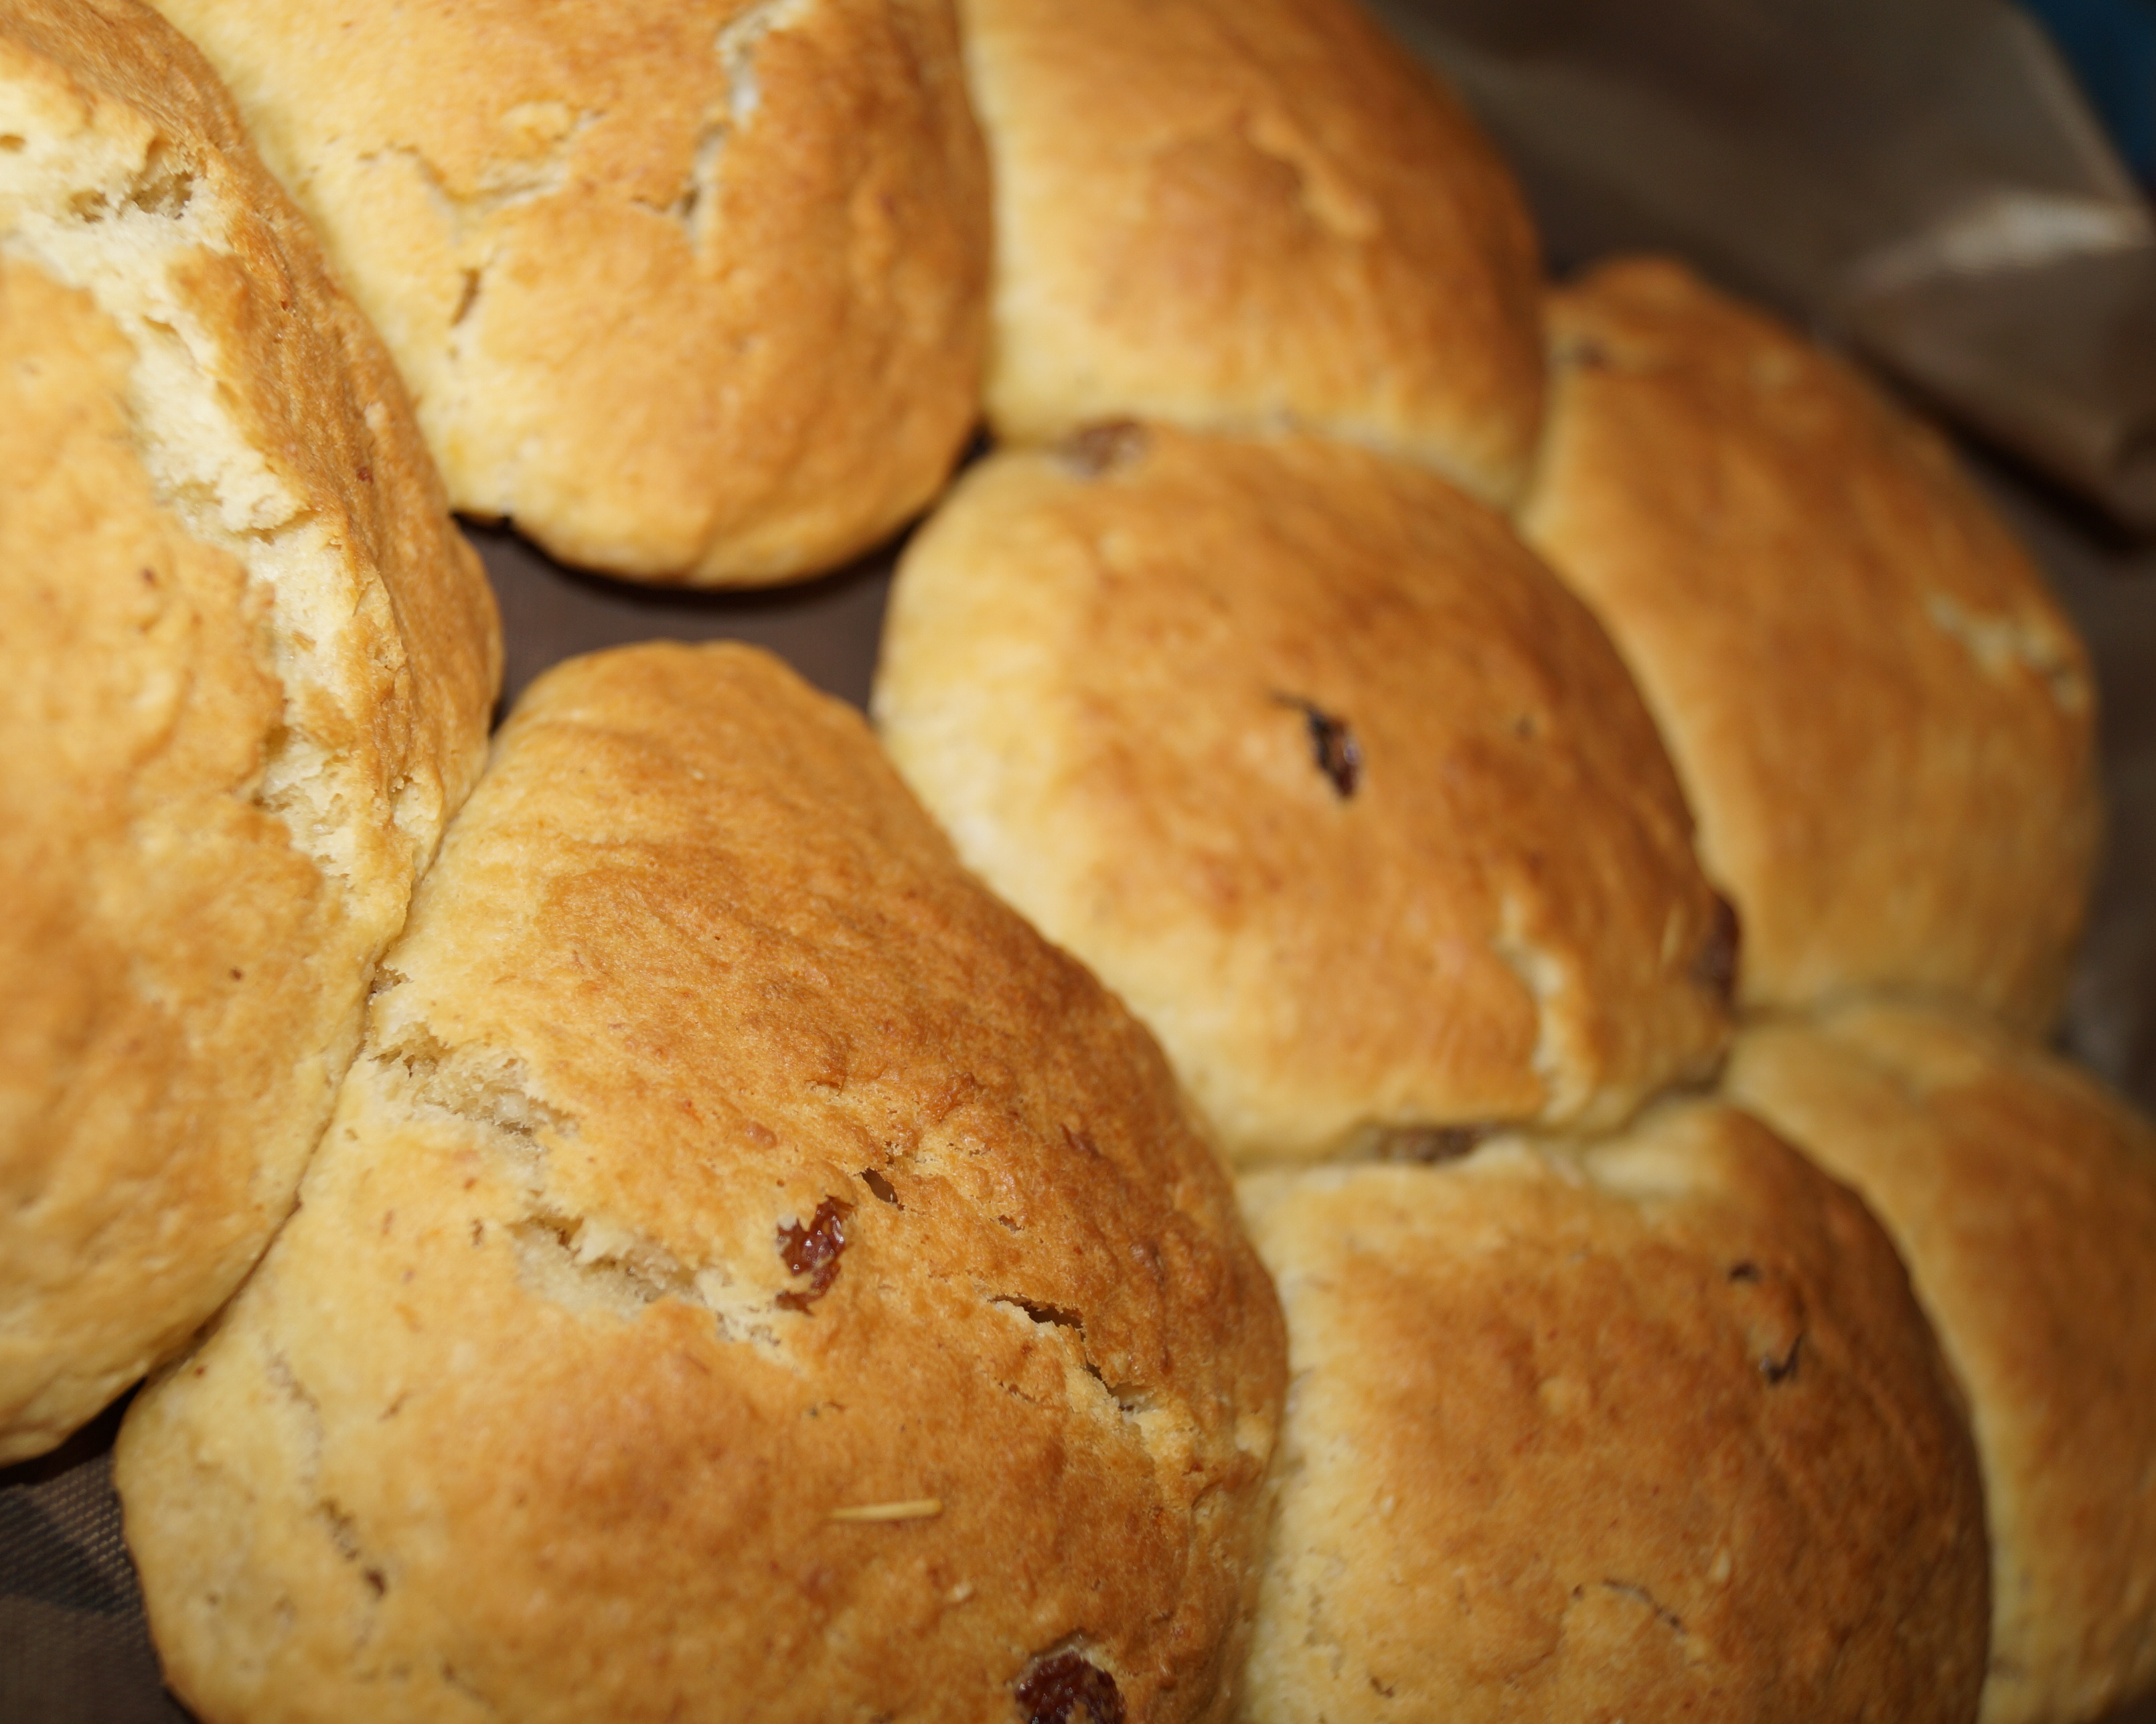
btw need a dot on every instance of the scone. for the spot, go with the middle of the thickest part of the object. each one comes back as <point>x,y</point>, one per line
<point>1884,723</point>
<point>2023,1197</point>
<point>248,664</point>
<point>1654,1431</point>
<point>1251,214</point>
<point>750,1275</point>
<point>691,292</point>
<point>1319,769</point>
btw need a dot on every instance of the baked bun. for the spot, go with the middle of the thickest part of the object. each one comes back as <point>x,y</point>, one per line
<point>1654,1431</point>
<point>750,1275</point>
<point>244,679</point>
<point>1251,214</point>
<point>696,292</point>
<point>1884,724</point>
<point>1321,771</point>
<point>2023,1197</point>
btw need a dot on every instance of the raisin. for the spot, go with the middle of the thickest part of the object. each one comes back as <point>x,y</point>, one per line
<point>1066,1690</point>
<point>886,1192</point>
<point>1714,967</point>
<point>1102,449</point>
<point>1430,1143</point>
<point>814,1251</point>
<point>1332,744</point>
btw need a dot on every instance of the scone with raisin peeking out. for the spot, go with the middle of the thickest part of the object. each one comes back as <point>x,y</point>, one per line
<point>2023,1197</point>
<point>1321,771</point>
<point>1651,1429</point>
<point>750,1273</point>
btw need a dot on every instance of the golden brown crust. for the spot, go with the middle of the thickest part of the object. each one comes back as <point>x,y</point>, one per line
<point>1654,1432</point>
<point>248,668</point>
<point>1118,673</point>
<point>1885,725</point>
<point>1241,214</point>
<point>693,292</point>
<point>2023,1197</point>
<point>525,1407</point>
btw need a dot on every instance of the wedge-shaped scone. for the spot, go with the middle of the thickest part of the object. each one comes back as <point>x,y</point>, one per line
<point>1654,1431</point>
<point>1247,214</point>
<point>1884,723</point>
<point>245,669</point>
<point>692,292</point>
<point>1321,771</point>
<point>750,1275</point>
<point>2023,1197</point>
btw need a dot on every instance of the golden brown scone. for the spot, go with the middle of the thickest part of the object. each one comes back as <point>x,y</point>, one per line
<point>1651,1431</point>
<point>695,292</point>
<point>1251,214</point>
<point>2023,1197</point>
<point>1884,724</point>
<point>1321,771</point>
<point>750,1275</point>
<point>244,678</point>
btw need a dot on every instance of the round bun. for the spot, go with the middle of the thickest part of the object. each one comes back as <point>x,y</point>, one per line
<point>1651,1431</point>
<point>1244,214</point>
<point>750,1275</point>
<point>244,679</point>
<point>693,292</point>
<point>1884,724</point>
<point>2023,1197</point>
<point>1321,771</point>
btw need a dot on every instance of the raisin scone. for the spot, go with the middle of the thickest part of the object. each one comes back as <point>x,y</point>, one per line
<point>750,1275</point>
<point>1249,215</point>
<point>1312,760</point>
<point>2023,1197</point>
<point>1884,722</point>
<point>1649,1430</point>
<point>693,291</point>
<point>248,667</point>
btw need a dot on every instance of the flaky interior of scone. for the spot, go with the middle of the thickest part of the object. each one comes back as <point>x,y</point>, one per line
<point>248,669</point>
<point>1312,761</point>
<point>749,1273</point>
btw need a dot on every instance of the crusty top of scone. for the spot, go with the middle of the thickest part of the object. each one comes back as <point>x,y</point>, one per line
<point>692,291</point>
<point>245,679</point>
<point>1243,214</point>
<point>1885,724</point>
<point>2023,1196</point>
<point>751,1274</point>
<point>1324,774</point>
<point>1650,1430</point>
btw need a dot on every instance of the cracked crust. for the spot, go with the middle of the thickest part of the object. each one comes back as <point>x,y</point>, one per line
<point>1324,774</point>
<point>691,292</point>
<point>2023,1198</point>
<point>1755,523</point>
<point>1653,1429</point>
<point>750,1275</point>
<point>1242,214</point>
<point>248,669</point>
